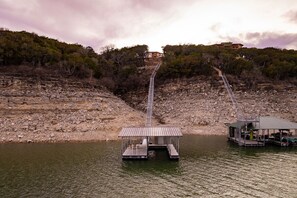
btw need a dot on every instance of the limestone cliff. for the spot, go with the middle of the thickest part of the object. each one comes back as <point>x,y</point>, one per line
<point>60,110</point>
<point>56,110</point>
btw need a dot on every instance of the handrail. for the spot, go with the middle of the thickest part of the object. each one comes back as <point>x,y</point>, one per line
<point>239,114</point>
<point>150,100</point>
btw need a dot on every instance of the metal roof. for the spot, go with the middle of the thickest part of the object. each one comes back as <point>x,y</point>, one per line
<point>150,132</point>
<point>275,123</point>
<point>237,124</point>
<point>267,123</point>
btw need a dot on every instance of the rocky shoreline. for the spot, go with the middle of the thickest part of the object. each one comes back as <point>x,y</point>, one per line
<point>58,110</point>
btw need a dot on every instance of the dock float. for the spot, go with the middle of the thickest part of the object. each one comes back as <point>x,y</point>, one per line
<point>248,143</point>
<point>173,154</point>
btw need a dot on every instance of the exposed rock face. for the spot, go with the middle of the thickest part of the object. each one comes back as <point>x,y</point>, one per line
<point>56,110</point>
<point>200,106</point>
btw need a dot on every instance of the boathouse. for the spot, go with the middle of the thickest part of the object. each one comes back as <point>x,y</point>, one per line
<point>244,133</point>
<point>277,131</point>
<point>136,142</point>
<point>258,132</point>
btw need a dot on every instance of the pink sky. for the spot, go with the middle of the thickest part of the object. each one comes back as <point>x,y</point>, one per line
<point>97,23</point>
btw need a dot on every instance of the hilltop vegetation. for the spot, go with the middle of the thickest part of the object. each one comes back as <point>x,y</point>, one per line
<point>29,54</point>
<point>29,49</point>
<point>118,69</point>
<point>245,63</point>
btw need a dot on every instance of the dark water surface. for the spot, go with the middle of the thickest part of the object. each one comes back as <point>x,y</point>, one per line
<point>209,167</point>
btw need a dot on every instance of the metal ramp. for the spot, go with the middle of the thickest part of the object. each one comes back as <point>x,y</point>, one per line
<point>239,114</point>
<point>150,100</point>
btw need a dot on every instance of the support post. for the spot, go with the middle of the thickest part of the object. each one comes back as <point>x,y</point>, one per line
<point>281,135</point>
<point>178,145</point>
<point>245,133</point>
<point>147,143</point>
<point>239,135</point>
<point>263,135</point>
<point>122,146</point>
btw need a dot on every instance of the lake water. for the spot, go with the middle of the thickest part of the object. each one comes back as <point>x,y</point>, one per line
<point>208,167</point>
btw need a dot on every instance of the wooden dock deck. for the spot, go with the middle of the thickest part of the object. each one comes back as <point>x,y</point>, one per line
<point>173,154</point>
<point>140,151</point>
<point>242,142</point>
<point>137,152</point>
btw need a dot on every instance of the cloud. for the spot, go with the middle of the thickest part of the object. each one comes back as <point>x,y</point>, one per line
<point>216,27</point>
<point>266,39</point>
<point>270,39</point>
<point>98,23</point>
<point>90,22</point>
<point>291,16</point>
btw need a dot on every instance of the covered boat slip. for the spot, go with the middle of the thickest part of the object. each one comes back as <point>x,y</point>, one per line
<point>263,130</point>
<point>278,131</point>
<point>244,133</point>
<point>136,141</point>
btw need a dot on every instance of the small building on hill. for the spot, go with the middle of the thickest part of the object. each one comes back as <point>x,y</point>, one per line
<point>229,45</point>
<point>154,55</point>
<point>152,59</point>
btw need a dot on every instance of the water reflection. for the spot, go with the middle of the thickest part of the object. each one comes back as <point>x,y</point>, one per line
<point>158,164</point>
<point>209,167</point>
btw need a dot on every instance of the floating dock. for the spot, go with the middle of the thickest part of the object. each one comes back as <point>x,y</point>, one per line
<point>137,141</point>
<point>263,130</point>
<point>137,152</point>
<point>172,152</point>
<point>242,142</point>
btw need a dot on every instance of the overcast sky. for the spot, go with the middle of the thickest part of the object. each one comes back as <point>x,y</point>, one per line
<point>97,23</point>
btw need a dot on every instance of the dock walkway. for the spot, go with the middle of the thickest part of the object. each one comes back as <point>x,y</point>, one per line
<point>173,154</point>
<point>137,152</point>
<point>140,151</point>
<point>242,142</point>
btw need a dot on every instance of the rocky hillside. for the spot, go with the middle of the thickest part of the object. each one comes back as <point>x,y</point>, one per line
<point>202,106</point>
<point>55,110</point>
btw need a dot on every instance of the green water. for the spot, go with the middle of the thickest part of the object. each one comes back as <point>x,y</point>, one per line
<point>208,167</point>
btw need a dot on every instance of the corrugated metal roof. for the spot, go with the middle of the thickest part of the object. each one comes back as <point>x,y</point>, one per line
<point>267,123</point>
<point>237,124</point>
<point>150,132</point>
<point>275,123</point>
